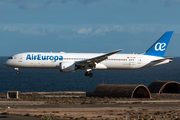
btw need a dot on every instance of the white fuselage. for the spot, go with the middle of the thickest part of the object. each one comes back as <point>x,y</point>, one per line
<point>70,62</point>
<point>53,60</point>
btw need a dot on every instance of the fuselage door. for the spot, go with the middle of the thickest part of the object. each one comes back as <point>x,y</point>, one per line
<point>19,58</point>
<point>139,60</point>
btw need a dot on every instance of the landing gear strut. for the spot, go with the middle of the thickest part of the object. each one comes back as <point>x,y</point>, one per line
<point>88,74</point>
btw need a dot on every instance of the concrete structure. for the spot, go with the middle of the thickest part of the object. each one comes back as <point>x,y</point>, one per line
<point>120,90</point>
<point>63,94</point>
<point>12,94</point>
<point>162,86</point>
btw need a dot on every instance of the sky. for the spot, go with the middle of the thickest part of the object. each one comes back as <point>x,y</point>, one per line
<point>92,26</point>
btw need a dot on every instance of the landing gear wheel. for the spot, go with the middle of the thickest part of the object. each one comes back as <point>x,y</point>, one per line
<point>17,72</point>
<point>90,74</point>
<point>86,74</point>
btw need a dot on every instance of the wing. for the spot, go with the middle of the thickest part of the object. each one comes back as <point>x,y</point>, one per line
<point>91,62</point>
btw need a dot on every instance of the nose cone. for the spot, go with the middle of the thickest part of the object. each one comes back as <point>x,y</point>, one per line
<point>7,63</point>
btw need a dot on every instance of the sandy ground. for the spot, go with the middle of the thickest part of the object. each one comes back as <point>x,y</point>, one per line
<point>105,111</point>
<point>79,107</point>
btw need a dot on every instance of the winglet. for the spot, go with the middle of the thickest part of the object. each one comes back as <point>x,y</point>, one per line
<point>160,46</point>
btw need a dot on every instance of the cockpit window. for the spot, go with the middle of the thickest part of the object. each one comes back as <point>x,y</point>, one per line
<point>10,57</point>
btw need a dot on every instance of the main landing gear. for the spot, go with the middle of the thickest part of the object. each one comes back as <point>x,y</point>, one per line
<point>88,74</point>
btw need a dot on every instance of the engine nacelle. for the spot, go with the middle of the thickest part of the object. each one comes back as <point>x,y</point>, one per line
<point>67,67</point>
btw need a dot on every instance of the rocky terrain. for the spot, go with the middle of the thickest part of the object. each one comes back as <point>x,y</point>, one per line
<point>82,106</point>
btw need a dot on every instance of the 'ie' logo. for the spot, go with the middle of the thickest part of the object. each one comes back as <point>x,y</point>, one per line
<point>160,46</point>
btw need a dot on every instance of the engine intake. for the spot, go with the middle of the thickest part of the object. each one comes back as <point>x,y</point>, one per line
<point>67,67</point>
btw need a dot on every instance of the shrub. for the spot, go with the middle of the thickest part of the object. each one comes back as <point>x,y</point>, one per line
<point>45,118</point>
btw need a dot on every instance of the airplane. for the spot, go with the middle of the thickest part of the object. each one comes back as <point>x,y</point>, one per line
<point>70,62</point>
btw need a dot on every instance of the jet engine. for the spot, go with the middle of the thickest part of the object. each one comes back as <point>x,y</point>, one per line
<point>67,67</point>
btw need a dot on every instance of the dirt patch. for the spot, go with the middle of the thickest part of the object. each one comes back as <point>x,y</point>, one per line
<point>100,112</point>
<point>87,107</point>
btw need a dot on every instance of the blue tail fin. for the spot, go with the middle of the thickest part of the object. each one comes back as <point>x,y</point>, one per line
<point>160,46</point>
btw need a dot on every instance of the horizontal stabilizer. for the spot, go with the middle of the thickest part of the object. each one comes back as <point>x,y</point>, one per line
<point>161,60</point>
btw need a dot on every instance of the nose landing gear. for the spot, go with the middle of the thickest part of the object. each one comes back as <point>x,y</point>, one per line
<point>17,71</point>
